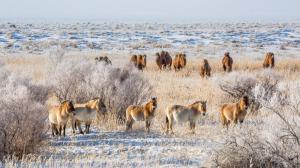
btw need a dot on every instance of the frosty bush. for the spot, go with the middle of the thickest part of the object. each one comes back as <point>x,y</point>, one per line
<point>82,80</point>
<point>22,114</point>
<point>277,144</point>
<point>237,84</point>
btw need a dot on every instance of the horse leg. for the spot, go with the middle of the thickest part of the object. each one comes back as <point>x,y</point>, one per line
<point>129,124</point>
<point>73,125</point>
<point>59,129</point>
<point>167,124</point>
<point>87,127</point>
<point>192,126</point>
<point>227,124</point>
<point>147,126</point>
<point>53,129</point>
<point>79,127</point>
<point>171,126</point>
<point>64,129</point>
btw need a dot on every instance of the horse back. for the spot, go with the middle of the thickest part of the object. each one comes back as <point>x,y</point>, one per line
<point>53,113</point>
<point>180,113</point>
<point>136,112</point>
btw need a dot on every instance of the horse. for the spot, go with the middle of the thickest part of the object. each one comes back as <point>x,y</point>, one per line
<point>141,113</point>
<point>59,116</point>
<point>232,112</point>
<point>86,113</point>
<point>190,113</point>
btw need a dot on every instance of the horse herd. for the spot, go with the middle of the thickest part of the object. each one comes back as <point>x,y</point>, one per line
<point>164,61</point>
<point>87,112</point>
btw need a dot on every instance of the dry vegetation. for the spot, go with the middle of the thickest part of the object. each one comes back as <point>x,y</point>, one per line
<point>274,94</point>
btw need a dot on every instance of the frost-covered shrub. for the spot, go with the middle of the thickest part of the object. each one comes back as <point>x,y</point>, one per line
<point>236,84</point>
<point>257,86</point>
<point>274,141</point>
<point>22,114</point>
<point>82,80</point>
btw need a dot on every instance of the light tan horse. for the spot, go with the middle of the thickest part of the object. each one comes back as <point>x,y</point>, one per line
<point>141,113</point>
<point>86,113</point>
<point>232,112</point>
<point>179,113</point>
<point>59,116</point>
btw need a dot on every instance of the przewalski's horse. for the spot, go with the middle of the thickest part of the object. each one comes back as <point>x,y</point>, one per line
<point>179,113</point>
<point>141,113</point>
<point>86,113</point>
<point>59,116</point>
<point>232,112</point>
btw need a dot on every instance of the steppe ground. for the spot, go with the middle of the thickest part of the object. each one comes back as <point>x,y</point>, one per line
<point>108,145</point>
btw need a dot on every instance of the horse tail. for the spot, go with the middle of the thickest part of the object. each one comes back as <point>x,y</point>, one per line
<point>75,126</point>
<point>222,116</point>
<point>167,120</point>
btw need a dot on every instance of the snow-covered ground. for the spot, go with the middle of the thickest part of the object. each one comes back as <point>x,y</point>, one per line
<point>135,149</point>
<point>39,38</point>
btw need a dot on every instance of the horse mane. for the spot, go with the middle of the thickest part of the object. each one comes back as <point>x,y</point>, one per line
<point>95,98</point>
<point>62,105</point>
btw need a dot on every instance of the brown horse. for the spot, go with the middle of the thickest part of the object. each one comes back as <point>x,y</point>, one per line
<point>179,113</point>
<point>234,112</point>
<point>179,61</point>
<point>204,69</point>
<point>141,113</point>
<point>227,62</point>
<point>59,116</point>
<point>269,60</point>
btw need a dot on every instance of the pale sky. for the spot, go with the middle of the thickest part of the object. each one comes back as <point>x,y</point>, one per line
<point>153,10</point>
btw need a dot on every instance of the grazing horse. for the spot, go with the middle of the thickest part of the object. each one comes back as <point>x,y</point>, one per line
<point>232,112</point>
<point>179,113</point>
<point>141,113</point>
<point>204,69</point>
<point>86,113</point>
<point>227,62</point>
<point>59,116</point>
<point>269,60</point>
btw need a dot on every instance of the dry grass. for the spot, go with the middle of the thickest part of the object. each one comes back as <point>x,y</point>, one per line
<point>183,87</point>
